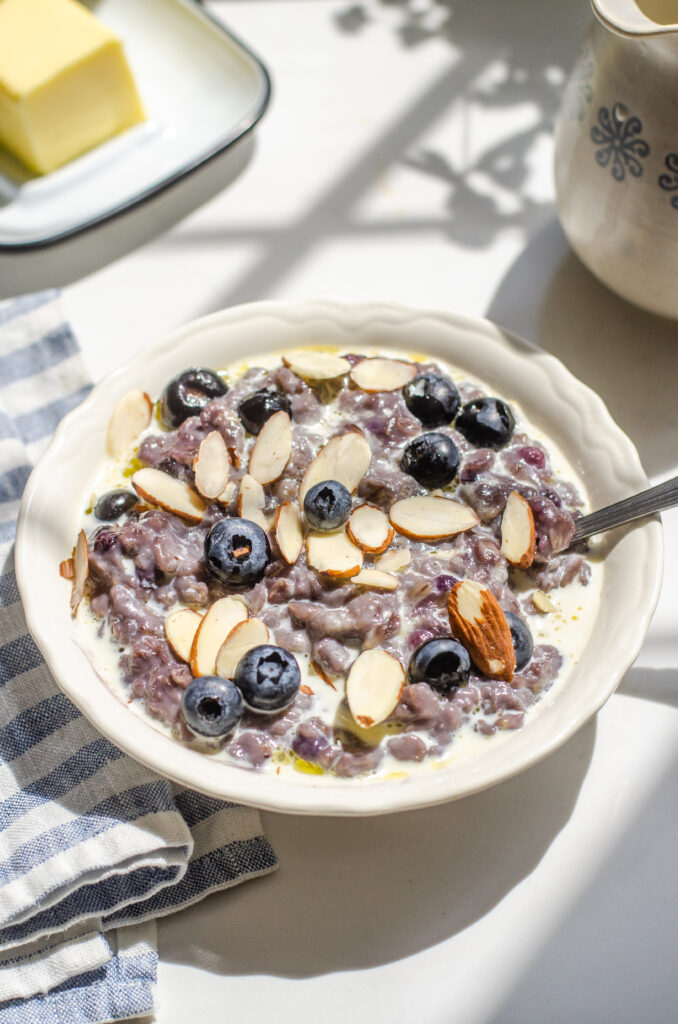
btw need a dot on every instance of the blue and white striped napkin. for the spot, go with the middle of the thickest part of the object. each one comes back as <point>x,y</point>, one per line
<point>93,846</point>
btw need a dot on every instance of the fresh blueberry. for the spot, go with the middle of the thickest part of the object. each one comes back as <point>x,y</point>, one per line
<point>521,639</point>
<point>237,552</point>
<point>486,422</point>
<point>187,394</point>
<point>268,678</point>
<point>259,407</point>
<point>211,706</point>
<point>432,459</point>
<point>113,504</point>
<point>443,663</point>
<point>327,505</point>
<point>432,399</point>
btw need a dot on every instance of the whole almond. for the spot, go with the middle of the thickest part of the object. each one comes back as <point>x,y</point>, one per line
<point>477,620</point>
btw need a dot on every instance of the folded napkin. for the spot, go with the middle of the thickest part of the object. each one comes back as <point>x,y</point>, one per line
<point>93,846</point>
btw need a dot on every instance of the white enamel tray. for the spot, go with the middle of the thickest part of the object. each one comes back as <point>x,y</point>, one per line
<point>202,90</point>
<point>554,401</point>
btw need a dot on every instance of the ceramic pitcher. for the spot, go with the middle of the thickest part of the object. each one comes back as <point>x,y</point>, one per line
<point>616,152</point>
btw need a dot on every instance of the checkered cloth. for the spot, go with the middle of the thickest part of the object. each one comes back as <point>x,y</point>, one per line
<point>93,846</point>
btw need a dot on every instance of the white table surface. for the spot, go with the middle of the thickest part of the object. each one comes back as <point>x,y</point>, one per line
<point>407,155</point>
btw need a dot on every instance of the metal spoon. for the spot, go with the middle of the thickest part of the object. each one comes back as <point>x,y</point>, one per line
<point>644,504</point>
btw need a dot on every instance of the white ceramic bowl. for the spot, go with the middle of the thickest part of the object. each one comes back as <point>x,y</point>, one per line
<point>571,414</point>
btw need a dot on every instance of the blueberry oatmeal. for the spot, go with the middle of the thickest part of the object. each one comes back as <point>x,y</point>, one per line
<point>334,563</point>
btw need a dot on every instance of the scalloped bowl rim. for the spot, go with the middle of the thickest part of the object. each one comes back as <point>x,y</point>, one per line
<point>568,411</point>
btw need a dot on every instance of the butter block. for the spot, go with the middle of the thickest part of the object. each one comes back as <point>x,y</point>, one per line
<point>65,85</point>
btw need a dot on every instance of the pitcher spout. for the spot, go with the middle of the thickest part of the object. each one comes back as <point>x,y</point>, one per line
<point>634,18</point>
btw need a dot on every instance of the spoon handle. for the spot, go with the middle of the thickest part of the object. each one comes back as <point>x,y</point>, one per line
<point>644,504</point>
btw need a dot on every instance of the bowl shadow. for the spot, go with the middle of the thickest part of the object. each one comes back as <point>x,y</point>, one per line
<point>358,892</point>
<point>656,684</point>
<point>612,956</point>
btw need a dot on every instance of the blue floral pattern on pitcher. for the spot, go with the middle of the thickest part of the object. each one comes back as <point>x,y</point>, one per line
<point>619,147</point>
<point>670,181</point>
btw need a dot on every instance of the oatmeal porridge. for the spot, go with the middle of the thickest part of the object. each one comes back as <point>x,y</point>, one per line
<point>336,563</point>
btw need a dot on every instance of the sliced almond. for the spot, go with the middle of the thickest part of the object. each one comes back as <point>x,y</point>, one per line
<point>80,570</point>
<point>369,528</point>
<point>66,569</point>
<point>316,365</point>
<point>376,579</point>
<point>288,531</point>
<point>543,603</point>
<point>477,620</point>
<point>517,531</point>
<point>345,458</point>
<point>180,629</point>
<point>272,448</point>
<point>394,560</point>
<point>166,492</point>
<point>373,687</point>
<point>333,553</point>
<point>382,374</point>
<point>212,466</point>
<point>223,616</point>
<point>251,500</point>
<point>320,671</point>
<point>243,638</point>
<point>234,456</point>
<point>432,517</point>
<point>226,496</point>
<point>130,417</point>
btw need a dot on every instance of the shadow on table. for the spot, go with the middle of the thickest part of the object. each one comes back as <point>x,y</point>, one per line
<point>502,57</point>
<point>628,356</point>
<point>658,685</point>
<point>507,58</point>
<point>68,261</point>
<point>613,957</point>
<point>353,893</point>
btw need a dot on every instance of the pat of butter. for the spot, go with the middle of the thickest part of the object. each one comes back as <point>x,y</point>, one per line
<point>65,85</point>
